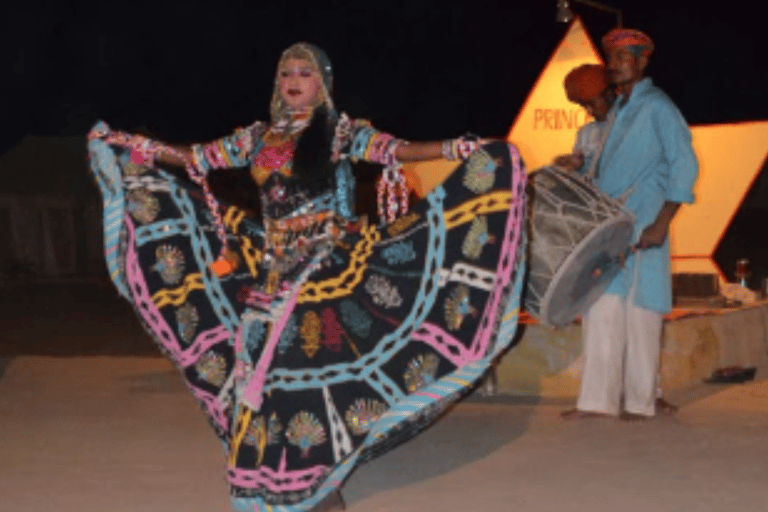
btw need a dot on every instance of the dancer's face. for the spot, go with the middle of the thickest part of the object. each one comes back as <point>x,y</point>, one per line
<point>299,83</point>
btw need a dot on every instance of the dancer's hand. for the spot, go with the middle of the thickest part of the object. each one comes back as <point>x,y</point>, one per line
<point>99,131</point>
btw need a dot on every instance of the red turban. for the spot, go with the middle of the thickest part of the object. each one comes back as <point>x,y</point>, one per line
<point>585,82</point>
<point>627,37</point>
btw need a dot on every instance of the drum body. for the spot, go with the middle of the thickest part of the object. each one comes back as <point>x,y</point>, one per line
<point>577,234</point>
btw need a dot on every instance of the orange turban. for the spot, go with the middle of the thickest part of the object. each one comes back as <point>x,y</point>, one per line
<point>585,82</point>
<point>627,37</point>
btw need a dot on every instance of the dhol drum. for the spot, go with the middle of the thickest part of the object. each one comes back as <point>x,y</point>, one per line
<point>577,234</point>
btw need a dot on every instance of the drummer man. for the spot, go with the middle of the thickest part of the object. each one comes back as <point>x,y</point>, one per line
<point>647,160</point>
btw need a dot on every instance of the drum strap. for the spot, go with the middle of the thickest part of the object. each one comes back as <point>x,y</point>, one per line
<point>592,172</point>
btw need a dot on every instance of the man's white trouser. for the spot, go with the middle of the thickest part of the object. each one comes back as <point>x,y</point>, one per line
<point>621,356</point>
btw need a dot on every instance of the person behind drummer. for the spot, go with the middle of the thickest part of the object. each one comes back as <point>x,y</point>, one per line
<point>588,85</point>
<point>647,161</point>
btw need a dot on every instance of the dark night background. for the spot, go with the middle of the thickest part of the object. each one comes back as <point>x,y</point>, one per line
<point>422,69</point>
<point>185,71</point>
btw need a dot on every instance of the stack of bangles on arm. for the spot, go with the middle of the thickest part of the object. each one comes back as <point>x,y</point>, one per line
<point>391,190</point>
<point>461,147</point>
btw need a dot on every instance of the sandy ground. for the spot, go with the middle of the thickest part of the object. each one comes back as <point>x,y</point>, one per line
<point>120,434</point>
<point>103,430</point>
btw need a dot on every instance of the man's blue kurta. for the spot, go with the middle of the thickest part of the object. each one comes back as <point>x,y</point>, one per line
<point>648,155</point>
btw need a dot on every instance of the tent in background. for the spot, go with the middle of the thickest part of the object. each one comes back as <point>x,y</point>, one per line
<point>49,211</point>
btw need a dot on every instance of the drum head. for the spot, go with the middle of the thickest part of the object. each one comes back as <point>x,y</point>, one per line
<point>586,272</point>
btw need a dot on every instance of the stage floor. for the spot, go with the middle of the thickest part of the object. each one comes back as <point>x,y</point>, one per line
<point>123,434</point>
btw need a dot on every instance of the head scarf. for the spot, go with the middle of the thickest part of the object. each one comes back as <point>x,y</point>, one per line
<point>636,41</point>
<point>319,60</point>
<point>585,82</point>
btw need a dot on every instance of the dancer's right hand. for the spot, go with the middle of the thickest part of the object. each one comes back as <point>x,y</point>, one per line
<point>99,130</point>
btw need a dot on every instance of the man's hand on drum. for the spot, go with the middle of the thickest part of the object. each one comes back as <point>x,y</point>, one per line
<point>572,162</point>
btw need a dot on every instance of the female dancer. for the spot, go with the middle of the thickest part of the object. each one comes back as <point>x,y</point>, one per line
<point>314,342</point>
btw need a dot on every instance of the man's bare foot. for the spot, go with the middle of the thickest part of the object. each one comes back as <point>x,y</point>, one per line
<point>631,416</point>
<point>665,407</point>
<point>578,414</point>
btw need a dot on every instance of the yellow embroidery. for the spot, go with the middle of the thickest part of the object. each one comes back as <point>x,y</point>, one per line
<point>343,284</point>
<point>252,256</point>
<point>243,421</point>
<point>510,315</point>
<point>272,281</point>
<point>343,245</point>
<point>233,217</point>
<point>224,153</point>
<point>352,345</point>
<point>260,174</point>
<point>310,331</point>
<point>257,433</point>
<point>179,295</point>
<point>488,203</point>
<point>402,224</point>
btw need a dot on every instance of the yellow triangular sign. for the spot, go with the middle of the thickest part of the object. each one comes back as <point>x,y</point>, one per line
<point>547,124</point>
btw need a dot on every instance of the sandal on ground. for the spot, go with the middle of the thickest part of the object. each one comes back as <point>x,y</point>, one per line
<point>732,375</point>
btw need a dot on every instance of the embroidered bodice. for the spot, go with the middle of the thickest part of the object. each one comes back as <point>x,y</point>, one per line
<point>297,220</point>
